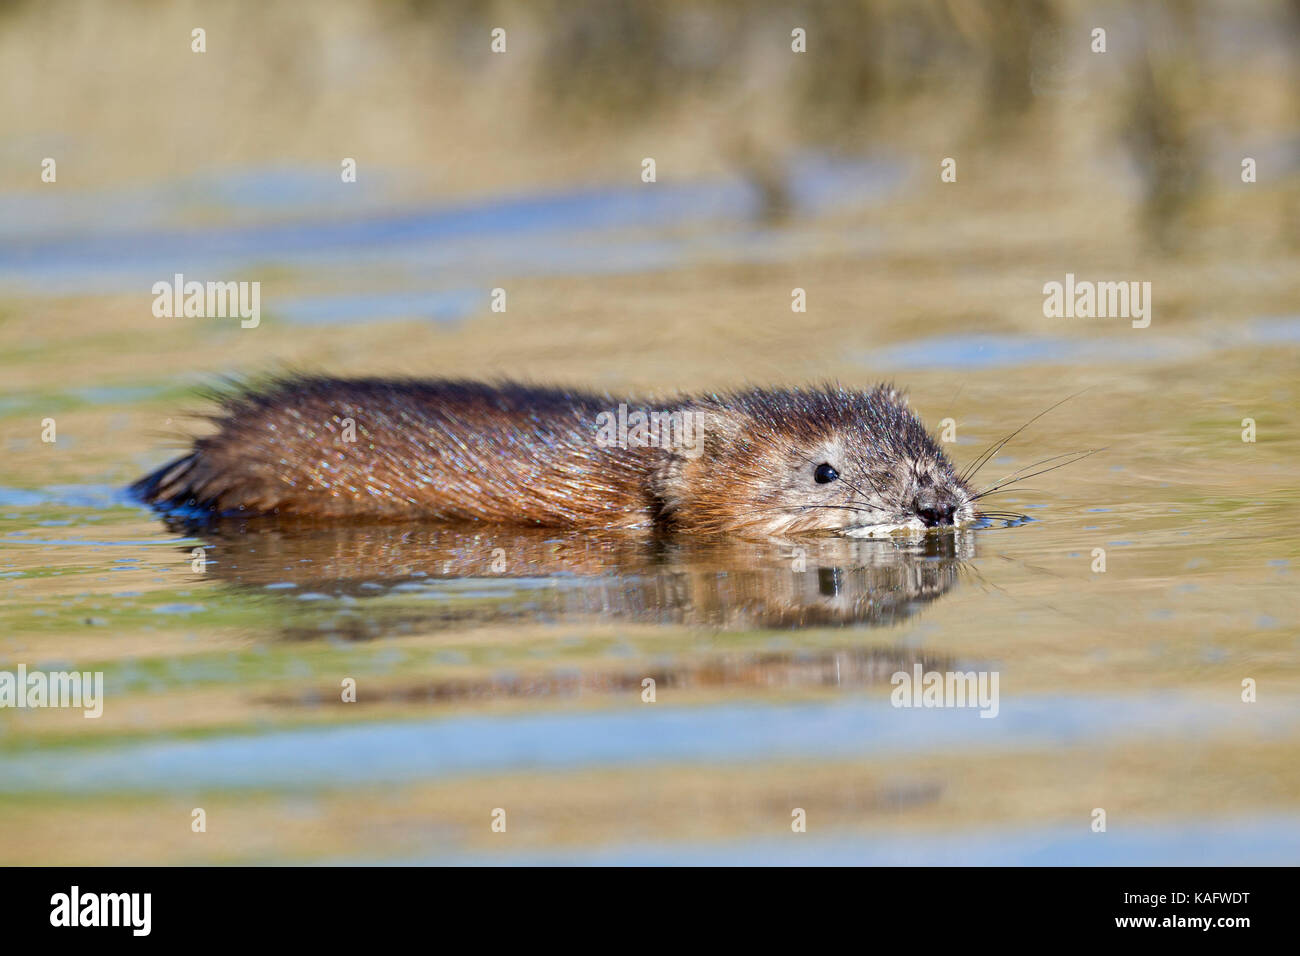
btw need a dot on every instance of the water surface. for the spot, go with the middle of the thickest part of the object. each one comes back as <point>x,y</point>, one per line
<point>507,669</point>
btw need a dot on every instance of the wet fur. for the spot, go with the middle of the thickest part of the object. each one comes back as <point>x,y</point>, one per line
<point>525,455</point>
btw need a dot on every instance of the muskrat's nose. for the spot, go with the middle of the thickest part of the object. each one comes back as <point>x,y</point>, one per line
<point>933,513</point>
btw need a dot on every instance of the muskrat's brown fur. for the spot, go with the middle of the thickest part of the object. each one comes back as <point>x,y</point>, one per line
<point>524,455</point>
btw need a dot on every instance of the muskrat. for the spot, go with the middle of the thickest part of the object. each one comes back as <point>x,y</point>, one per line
<point>759,460</point>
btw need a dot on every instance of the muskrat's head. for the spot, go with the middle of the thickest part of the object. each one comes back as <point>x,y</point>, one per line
<point>799,460</point>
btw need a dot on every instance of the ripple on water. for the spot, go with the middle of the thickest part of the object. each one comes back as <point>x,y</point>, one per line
<point>486,237</point>
<point>427,749</point>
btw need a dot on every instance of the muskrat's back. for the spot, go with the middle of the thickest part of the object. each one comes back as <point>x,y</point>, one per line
<point>440,449</point>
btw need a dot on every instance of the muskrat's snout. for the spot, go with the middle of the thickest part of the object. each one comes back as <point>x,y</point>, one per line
<point>933,511</point>
<point>938,495</point>
<point>929,494</point>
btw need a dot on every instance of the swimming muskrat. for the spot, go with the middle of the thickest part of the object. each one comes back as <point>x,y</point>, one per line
<point>762,461</point>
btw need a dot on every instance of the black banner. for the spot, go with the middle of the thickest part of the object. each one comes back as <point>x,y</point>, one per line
<point>910,905</point>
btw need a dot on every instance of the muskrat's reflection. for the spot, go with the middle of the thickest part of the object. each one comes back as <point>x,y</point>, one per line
<point>435,577</point>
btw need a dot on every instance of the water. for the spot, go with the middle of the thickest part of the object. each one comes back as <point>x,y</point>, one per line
<point>400,752</point>
<point>128,244</point>
<point>498,668</point>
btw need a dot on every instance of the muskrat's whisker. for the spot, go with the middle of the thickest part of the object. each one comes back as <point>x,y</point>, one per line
<point>898,515</point>
<point>889,516</point>
<point>1007,594</point>
<point>836,507</point>
<point>985,456</point>
<point>1004,491</point>
<point>874,487</point>
<point>969,568</point>
<point>1019,471</point>
<point>1000,516</point>
<point>871,481</point>
<point>1079,456</point>
<point>778,508</point>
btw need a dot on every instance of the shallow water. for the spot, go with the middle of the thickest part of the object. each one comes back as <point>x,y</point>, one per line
<point>505,669</point>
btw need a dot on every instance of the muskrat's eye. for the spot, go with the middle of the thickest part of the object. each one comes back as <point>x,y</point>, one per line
<point>825,474</point>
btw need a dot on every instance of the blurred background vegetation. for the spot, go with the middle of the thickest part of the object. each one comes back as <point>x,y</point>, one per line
<point>1185,89</point>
